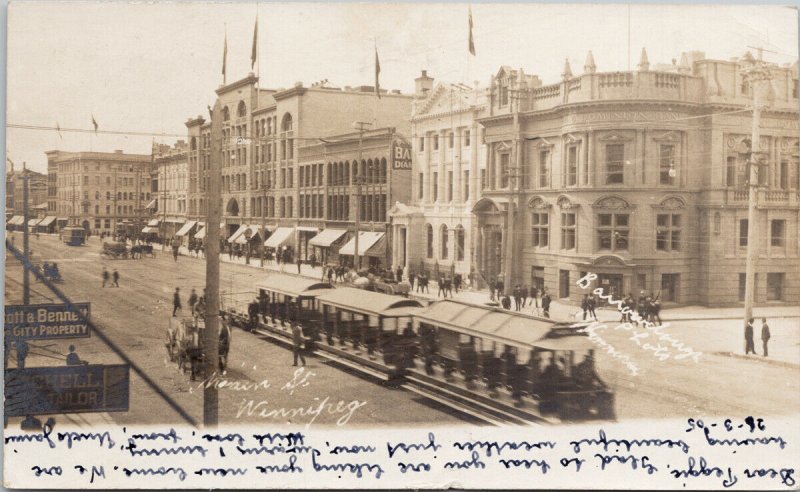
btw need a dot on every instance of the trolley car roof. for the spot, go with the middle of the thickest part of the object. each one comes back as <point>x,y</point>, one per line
<point>294,286</point>
<point>486,322</point>
<point>368,302</point>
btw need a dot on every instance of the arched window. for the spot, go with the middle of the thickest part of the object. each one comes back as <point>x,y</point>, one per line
<point>429,230</point>
<point>226,114</point>
<point>382,171</point>
<point>443,242</point>
<point>459,242</point>
<point>286,123</point>
<point>241,111</point>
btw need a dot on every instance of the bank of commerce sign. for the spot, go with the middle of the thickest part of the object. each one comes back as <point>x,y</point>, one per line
<point>401,156</point>
<point>44,321</point>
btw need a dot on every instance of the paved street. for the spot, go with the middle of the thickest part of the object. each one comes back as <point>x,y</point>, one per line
<point>136,314</point>
<point>135,317</point>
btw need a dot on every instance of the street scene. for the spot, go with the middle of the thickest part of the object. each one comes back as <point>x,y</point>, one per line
<point>600,230</point>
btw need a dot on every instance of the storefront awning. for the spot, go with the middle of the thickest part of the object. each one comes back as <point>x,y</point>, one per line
<point>153,223</point>
<point>279,237</point>
<point>186,228</point>
<point>16,220</point>
<point>201,234</point>
<point>33,222</point>
<point>369,244</point>
<point>238,233</point>
<point>150,230</point>
<point>47,221</point>
<point>249,233</point>
<point>327,237</point>
<point>152,204</point>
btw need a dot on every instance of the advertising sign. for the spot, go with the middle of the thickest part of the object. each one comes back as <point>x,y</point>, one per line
<point>67,389</point>
<point>46,321</point>
<point>401,154</point>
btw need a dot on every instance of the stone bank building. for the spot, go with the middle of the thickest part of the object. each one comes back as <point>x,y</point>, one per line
<point>639,177</point>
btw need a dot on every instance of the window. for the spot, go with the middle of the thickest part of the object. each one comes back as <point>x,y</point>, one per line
<point>572,165</point>
<point>613,232</point>
<point>504,160</point>
<point>666,164</point>
<point>503,93</point>
<point>86,180</point>
<point>745,87</point>
<point>539,229</point>
<point>483,179</point>
<point>430,240</point>
<point>615,155</point>
<point>435,185</point>
<point>775,283</point>
<point>466,138</point>
<point>449,186</point>
<point>544,158</point>
<point>421,185</point>
<point>730,173</point>
<point>436,142</point>
<point>466,186</point>
<point>459,243</point>
<point>784,175</point>
<point>443,242</point>
<point>568,230</point>
<point>668,232</point>
<point>241,111</point>
<point>777,233</point>
<point>794,89</point>
<point>422,144</point>
<point>743,232</point>
<point>452,139</point>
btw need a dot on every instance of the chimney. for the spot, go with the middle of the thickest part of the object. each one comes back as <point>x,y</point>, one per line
<point>423,84</point>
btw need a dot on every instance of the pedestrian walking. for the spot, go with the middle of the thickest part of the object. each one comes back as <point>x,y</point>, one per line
<point>398,274</point>
<point>592,305</point>
<point>115,278</point>
<point>330,274</point>
<point>492,286</point>
<point>546,303</point>
<point>535,296</point>
<point>192,301</point>
<point>425,281</point>
<point>411,278</point>
<point>457,281</point>
<point>313,260</point>
<point>749,345</point>
<point>517,297</point>
<point>506,302</point>
<point>176,301</point>
<point>441,287</point>
<point>297,344</point>
<point>224,344</point>
<point>105,277</point>
<point>656,307</point>
<point>585,305</point>
<point>524,292</point>
<point>765,335</point>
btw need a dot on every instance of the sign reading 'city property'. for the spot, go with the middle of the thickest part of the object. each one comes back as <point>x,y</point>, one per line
<point>43,321</point>
<point>67,389</point>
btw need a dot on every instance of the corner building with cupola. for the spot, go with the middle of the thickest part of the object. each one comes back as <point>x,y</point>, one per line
<point>639,178</point>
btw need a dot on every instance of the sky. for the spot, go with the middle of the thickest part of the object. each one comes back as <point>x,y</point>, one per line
<point>147,68</point>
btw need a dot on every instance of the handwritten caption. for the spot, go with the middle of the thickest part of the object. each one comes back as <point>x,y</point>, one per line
<point>741,453</point>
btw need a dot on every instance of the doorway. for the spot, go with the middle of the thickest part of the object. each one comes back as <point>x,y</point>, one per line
<point>611,284</point>
<point>669,287</point>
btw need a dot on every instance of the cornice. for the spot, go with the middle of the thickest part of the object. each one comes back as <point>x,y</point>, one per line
<point>249,80</point>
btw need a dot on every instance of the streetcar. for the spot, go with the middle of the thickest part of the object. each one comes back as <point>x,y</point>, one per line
<point>527,365</point>
<point>73,235</point>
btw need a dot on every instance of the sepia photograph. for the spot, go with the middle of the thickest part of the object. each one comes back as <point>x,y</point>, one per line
<point>407,245</point>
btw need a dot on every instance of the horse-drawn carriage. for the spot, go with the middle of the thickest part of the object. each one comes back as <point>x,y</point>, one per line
<point>115,250</point>
<point>185,345</point>
<point>141,250</point>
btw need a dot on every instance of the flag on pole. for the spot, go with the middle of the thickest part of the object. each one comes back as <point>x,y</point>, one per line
<point>58,127</point>
<point>224,58</point>
<point>94,123</point>
<point>471,39</point>
<point>254,52</point>
<point>377,73</point>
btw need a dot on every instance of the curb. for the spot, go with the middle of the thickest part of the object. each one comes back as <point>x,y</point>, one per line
<point>758,359</point>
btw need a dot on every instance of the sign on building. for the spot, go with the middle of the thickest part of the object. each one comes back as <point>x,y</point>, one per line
<point>401,155</point>
<point>67,389</point>
<point>46,321</point>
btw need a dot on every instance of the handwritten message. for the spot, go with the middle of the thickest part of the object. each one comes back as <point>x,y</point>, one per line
<point>745,452</point>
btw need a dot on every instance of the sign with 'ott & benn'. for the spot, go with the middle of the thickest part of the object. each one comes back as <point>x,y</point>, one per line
<point>43,321</point>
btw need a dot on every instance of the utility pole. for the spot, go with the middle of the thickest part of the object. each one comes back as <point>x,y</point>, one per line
<point>26,282</point>
<point>211,332</point>
<point>756,73</point>
<point>361,125</point>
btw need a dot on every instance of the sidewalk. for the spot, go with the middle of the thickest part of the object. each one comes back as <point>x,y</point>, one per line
<point>558,309</point>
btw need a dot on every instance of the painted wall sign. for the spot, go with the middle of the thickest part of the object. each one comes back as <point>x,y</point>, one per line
<point>46,321</point>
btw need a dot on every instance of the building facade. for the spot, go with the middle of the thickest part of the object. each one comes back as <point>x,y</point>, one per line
<point>263,131</point>
<point>98,190</point>
<point>172,167</point>
<point>15,186</point>
<point>434,230</point>
<point>639,178</point>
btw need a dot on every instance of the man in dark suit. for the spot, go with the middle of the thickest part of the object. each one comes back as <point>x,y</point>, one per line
<point>749,346</point>
<point>765,335</point>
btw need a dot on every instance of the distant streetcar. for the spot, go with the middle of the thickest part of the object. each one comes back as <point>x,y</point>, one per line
<point>73,236</point>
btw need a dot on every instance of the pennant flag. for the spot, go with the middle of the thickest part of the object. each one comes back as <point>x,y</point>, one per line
<point>254,52</point>
<point>225,58</point>
<point>58,127</point>
<point>377,73</point>
<point>94,123</point>
<point>471,39</point>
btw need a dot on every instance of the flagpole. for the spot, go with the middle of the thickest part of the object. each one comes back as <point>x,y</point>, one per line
<point>377,91</point>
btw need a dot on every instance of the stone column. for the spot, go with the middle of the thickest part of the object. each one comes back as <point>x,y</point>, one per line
<point>474,171</point>
<point>441,169</point>
<point>425,169</point>
<point>459,142</point>
<point>590,156</point>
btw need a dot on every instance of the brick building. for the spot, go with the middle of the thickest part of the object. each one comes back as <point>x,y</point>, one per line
<point>639,177</point>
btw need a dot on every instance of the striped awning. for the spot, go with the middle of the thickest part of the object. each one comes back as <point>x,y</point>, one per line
<point>186,228</point>
<point>152,204</point>
<point>46,221</point>
<point>279,237</point>
<point>16,220</point>
<point>150,230</point>
<point>327,237</point>
<point>153,223</point>
<point>33,222</point>
<point>368,245</point>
